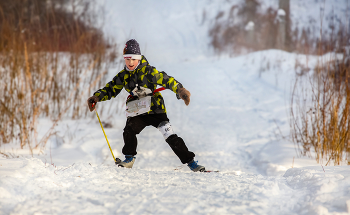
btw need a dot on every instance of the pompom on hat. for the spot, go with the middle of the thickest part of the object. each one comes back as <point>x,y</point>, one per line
<point>132,50</point>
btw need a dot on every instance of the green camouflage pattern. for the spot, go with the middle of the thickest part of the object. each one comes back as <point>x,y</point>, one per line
<point>145,76</point>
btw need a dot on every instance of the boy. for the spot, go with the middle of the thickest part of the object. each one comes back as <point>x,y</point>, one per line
<point>145,105</point>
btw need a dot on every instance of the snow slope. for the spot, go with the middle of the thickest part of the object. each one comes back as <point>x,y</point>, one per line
<point>236,106</point>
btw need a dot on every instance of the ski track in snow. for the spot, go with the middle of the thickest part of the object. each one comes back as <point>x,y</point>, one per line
<point>236,105</point>
<point>29,186</point>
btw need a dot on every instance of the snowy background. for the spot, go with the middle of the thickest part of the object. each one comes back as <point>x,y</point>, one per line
<point>236,122</point>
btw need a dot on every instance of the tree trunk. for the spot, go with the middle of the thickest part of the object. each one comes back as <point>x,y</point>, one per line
<point>284,5</point>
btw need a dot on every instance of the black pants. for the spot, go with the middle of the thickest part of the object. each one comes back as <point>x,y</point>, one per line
<point>134,125</point>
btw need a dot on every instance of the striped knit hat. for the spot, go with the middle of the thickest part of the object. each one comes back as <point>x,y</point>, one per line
<point>132,50</point>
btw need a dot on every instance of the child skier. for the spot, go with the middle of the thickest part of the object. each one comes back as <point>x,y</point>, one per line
<point>145,105</point>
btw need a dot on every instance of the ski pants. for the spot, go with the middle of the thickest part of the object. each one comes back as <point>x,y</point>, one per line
<point>134,125</point>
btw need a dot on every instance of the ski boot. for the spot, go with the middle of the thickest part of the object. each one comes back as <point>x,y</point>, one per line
<point>128,162</point>
<point>195,167</point>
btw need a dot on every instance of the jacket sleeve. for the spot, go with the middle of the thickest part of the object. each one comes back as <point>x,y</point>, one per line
<point>112,88</point>
<point>164,80</point>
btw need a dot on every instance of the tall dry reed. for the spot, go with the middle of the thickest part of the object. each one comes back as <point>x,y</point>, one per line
<point>320,113</point>
<point>52,55</point>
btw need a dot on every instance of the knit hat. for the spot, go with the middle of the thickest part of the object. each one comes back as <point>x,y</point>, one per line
<point>132,50</point>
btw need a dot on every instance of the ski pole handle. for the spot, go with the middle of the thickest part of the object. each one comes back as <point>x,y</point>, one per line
<point>93,102</point>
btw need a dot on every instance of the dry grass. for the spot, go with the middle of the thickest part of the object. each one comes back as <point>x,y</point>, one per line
<point>320,113</point>
<point>51,58</point>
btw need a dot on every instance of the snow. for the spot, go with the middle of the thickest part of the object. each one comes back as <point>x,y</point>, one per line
<point>281,12</point>
<point>249,26</point>
<point>31,186</point>
<point>235,123</point>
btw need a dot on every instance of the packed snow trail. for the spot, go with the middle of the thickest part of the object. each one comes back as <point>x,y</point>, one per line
<point>30,186</point>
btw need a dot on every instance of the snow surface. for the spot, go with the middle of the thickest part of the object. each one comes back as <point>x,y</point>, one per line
<point>28,186</point>
<point>235,123</point>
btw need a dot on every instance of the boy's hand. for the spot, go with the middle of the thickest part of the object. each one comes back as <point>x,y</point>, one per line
<point>184,95</point>
<point>92,100</point>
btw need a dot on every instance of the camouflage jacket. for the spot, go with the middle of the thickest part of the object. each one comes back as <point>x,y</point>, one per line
<point>144,75</point>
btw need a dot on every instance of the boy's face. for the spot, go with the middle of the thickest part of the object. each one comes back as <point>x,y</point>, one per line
<point>131,63</point>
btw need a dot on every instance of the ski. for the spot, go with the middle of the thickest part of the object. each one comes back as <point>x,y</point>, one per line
<point>118,161</point>
<point>209,171</point>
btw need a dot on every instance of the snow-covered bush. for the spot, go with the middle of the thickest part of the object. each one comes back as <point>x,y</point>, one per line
<point>251,25</point>
<point>245,26</point>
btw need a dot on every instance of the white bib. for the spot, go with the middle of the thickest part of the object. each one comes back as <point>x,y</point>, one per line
<point>138,107</point>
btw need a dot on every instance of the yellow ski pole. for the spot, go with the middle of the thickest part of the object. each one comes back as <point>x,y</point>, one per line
<point>93,104</point>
